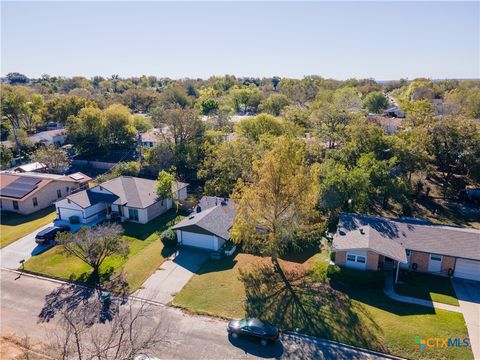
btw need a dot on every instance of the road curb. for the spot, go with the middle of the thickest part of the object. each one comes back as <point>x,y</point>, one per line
<point>333,343</point>
<point>63,282</point>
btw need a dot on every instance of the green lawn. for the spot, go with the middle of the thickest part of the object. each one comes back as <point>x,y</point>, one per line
<point>146,255</point>
<point>355,315</point>
<point>14,226</point>
<point>428,287</point>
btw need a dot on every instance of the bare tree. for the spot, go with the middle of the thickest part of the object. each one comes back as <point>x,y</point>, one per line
<point>94,245</point>
<point>56,160</point>
<point>126,336</point>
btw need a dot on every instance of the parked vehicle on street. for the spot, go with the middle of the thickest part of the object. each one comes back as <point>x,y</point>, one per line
<point>253,329</point>
<point>49,234</point>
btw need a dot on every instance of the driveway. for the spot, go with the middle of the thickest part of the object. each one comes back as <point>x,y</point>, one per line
<point>468,295</point>
<point>22,249</point>
<point>173,275</point>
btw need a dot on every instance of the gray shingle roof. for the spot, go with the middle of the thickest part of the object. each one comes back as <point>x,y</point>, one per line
<point>390,237</point>
<point>87,198</point>
<point>213,217</point>
<point>128,191</point>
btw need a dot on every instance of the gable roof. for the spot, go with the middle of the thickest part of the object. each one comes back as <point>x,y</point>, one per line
<point>43,180</point>
<point>132,191</point>
<point>87,198</point>
<point>214,217</point>
<point>390,237</point>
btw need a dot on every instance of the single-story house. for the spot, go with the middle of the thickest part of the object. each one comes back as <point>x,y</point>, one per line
<point>390,124</point>
<point>370,242</point>
<point>128,198</point>
<point>33,166</point>
<point>25,193</point>
<point>153,137</point>
<point>208,226</point>
<point>50,137</point>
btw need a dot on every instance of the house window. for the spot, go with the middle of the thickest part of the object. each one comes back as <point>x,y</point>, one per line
<point>361,259</point>
<point>133,214</point>
<point>350,257</point>
<point>68,189</point>
<point>407,252</point>
<point>1,204</point>
<point>356,258</point>
<point>435,257</point>
<point>59,193</point>
<point>35,202</point>
<point>15,205</point>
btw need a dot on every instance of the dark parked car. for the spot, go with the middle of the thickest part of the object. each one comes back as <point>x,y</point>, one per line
<point>253,329</point>
<point>49,234</point>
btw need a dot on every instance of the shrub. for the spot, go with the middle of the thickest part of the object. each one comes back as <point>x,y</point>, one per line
<point>74,219</point>
<point>332,256</point>
<point>360,278</point>
<point>169,238</point>
<point>319,271</point>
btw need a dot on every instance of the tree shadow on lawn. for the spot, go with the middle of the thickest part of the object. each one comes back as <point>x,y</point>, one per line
<point>376,298</point>
<point>293,301</point>
<point>71,297</point>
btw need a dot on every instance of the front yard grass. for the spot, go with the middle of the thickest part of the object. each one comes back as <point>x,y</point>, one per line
<point>14,226</point>
<point>426,286</point>
<point>146,255</point>
<point>371,320</point>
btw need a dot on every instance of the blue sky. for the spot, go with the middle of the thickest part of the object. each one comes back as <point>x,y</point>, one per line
<point>382,40</point>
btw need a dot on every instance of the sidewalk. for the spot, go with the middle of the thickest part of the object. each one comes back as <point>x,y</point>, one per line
<point>390,292</point>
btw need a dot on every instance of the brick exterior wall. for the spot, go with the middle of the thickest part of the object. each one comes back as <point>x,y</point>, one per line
<point>421,259</point>
<point>372,261</point>
<point>340,257</point>
<point>448,262</point>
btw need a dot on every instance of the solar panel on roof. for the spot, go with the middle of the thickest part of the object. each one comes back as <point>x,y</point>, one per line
<point>20,187</point>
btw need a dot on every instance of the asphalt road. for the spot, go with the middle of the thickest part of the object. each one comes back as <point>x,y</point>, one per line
<point>184,336</point>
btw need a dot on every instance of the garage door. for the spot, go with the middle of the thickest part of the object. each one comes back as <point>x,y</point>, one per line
<point>198,240</point>
<point>467,269</point>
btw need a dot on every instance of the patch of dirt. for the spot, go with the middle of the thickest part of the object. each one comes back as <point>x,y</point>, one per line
<point>13,347</point>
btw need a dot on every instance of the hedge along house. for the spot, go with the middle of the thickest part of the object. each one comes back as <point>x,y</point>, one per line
<point>370,243</point>
<point>125,197</point>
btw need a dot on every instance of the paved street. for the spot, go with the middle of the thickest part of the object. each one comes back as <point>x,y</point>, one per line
<point>22,249</point>
<point>186,336</point>
<point>172,276</point>
<point>468,294</point>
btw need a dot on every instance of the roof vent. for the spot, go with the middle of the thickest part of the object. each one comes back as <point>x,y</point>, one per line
<point>198,209</point>
<point>191,217</point>
<point>362,231</point>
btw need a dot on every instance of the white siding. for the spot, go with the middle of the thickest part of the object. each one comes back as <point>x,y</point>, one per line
<point>198,240</point>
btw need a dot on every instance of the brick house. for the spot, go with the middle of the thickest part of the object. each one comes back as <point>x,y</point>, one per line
<point>370,242</point>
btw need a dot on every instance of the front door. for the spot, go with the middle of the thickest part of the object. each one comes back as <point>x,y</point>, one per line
<point>435,263</point>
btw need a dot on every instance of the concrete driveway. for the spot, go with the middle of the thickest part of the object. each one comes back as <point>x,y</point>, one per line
<point>22,249</point>
<point>468,295</point>
<point>173,275</point>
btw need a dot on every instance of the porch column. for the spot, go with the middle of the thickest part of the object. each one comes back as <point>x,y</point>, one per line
<point>396,275</point>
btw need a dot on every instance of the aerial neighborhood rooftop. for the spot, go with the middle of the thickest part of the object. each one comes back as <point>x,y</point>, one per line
<point>242,208</point>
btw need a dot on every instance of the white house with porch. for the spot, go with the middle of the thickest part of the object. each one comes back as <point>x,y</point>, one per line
<point>127,198</point>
